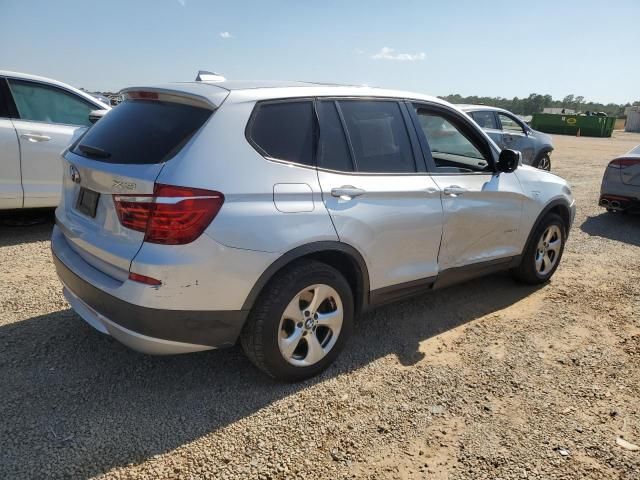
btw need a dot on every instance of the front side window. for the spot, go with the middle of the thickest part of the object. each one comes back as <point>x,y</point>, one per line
<point>378,136</point>
<point>509,124</point>
<point>44,103</point>
<point>285,131</point>
<point>451,148</point>
<point>486,119</point>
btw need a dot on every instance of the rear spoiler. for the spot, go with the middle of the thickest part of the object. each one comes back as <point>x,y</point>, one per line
<point>195,94</point>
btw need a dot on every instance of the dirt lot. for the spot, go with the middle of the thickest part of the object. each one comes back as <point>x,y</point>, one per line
<point>489,379</point>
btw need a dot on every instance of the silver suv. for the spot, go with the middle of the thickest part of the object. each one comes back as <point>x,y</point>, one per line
<point>198,214</point>
<point>508,131</point>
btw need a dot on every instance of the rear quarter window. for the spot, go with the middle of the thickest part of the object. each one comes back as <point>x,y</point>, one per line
<point>142,132</point>
<point>284,131</point>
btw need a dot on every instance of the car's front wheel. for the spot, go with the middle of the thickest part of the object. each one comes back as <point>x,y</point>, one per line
<point>544,162</point>
<point>300,322</point>
<point>542,255</point>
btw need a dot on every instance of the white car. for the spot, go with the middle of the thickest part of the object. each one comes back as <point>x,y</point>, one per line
<point>39,118</point>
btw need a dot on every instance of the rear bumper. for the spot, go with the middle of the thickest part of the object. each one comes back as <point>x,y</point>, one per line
<point>149,330</point>
<point>619,202</point>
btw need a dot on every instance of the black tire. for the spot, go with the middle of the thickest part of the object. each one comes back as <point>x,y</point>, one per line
<point>259,337</point>
<point>526,272</point>
<point>544,162</point>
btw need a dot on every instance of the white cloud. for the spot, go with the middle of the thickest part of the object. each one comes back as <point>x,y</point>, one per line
<point>182,2</point>
<point>359,51</point>
<point>387,53</point>
<point>226,35</point>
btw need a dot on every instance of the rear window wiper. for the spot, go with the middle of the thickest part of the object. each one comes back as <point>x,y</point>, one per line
<point>93,151</point>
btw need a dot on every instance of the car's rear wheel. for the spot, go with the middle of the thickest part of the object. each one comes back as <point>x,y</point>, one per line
<point>544,162</point>
<point>543,253</point>
<point>300,322</point>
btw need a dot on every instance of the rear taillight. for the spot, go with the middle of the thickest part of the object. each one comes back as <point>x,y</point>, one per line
<point>624,162</point>
<point>172,215</point>
<point>136,277</point>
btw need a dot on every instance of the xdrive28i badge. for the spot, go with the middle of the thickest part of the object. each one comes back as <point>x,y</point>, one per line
<point>75,174</point>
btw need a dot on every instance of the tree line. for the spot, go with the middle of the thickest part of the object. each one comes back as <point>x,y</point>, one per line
<point>534,103</point>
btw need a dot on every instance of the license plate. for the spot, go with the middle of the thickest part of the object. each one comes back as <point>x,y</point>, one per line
<point>87,202</point>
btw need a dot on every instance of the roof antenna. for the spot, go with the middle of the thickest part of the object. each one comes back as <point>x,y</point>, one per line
<point>205,76</point>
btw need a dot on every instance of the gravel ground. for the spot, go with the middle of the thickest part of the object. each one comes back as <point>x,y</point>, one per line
<point>489,379</point>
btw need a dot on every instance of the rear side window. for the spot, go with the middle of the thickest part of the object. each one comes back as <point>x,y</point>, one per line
<point>284,131</point>
<point>334,150</point>
<point>142,132</point>
<point>486,119</point>
<point>44,103</point>
<point>378,135</point>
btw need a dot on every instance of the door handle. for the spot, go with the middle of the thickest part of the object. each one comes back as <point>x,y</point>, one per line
<point>347,192</point>
<point>454,190</point>
<point>35,137</point>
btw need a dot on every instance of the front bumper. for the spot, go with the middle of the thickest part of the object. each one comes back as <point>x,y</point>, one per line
<point>148,330</point>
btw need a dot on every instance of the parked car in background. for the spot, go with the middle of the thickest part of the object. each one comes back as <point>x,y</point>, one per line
<point>39,118</point>
<point>508,131</point>
<point>196,214</point>
<point>620,190</point>
<point>101,98</point>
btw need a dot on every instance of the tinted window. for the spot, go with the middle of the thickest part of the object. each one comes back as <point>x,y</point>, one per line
<point>378,136</point>
<point>486,119</point>
<point>285,131</point>
<point>334,150</point>
<point>43,103</point>
<point>142,131</point>
<point>509,123</point>
<point>451,148</point>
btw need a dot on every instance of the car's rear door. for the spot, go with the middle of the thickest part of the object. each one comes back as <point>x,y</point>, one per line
<point>376,189</point>
<point>482,208</point>
<point>10,182</point>
<point>49,119</point>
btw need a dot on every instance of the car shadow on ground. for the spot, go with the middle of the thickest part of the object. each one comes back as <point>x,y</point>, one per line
<point>25,227</point>
<point>614,226</point>
<point>76,403</point>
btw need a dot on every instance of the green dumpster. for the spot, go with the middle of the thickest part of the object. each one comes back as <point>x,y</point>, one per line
<point>588,126</point>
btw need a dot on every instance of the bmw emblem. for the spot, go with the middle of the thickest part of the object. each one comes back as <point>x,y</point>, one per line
<point>75,174</point>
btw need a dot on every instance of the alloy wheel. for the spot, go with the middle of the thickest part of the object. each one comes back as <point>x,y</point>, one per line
<point>545,163</point>
<point>310,325</point>
<point>548,250</point>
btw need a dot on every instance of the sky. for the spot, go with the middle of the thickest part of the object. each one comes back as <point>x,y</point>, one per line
<point>486,48</point>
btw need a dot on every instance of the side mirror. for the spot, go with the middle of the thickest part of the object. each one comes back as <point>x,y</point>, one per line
<point>95,115</point>
<point>508,161</point>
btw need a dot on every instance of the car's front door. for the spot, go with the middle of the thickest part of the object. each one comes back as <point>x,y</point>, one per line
<point>49,120</point>
<point>482,208</point>
<point>10,184</point>
<point>377,191</point>
<point>515,137</point>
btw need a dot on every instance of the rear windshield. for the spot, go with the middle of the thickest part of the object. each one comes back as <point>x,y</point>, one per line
<point>141,132</point>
